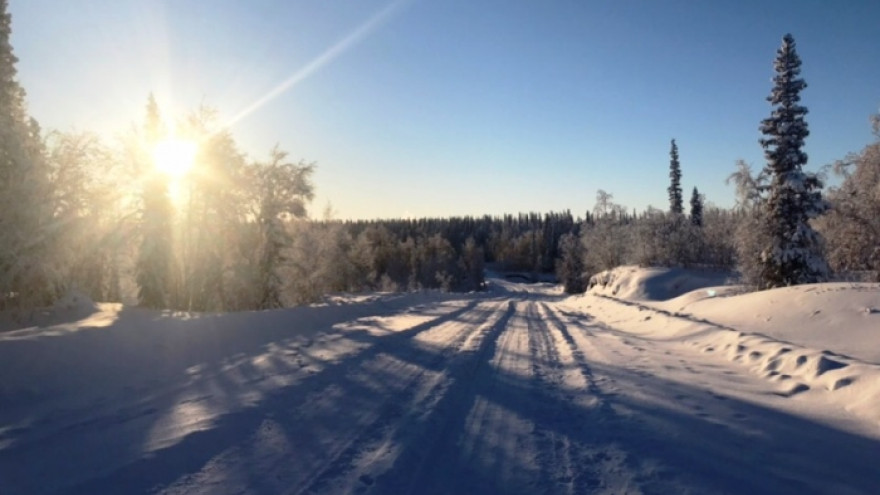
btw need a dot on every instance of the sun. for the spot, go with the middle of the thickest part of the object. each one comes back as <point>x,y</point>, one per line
<point>175,156</point>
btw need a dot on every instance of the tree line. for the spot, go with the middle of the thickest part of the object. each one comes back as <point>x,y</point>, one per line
<point>233,233</point>
<point>781,232</point>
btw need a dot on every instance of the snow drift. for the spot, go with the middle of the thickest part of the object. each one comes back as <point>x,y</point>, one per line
<point>819,337</point>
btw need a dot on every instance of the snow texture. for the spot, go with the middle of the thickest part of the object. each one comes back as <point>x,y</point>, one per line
<point>516,390</point>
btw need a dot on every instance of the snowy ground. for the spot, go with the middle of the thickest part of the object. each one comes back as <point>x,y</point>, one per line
<point>518,390</point>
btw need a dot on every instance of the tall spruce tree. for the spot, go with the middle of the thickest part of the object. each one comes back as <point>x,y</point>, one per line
<point>675,199</point>
<point>794,254</point>
<point>696,208</point>
<point>25,208</point>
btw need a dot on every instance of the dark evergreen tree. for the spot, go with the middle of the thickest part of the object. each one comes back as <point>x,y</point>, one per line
<point>675,198</point>
<point>696,208</point>
<point>794,254</point>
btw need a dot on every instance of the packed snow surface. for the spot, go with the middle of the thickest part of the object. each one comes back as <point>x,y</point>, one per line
<point>666,385</point>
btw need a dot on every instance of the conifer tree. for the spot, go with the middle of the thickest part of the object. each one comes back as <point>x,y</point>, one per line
<point>794,254</point>
<point>25,213</point>
<point>696,208</point>
<point>675,198</point>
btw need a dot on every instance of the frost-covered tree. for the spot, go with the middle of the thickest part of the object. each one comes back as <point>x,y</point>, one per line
<point>749,188</point>
<point>852,228</point>
<point>751,233</point>
<point>434,264</point>
<point>91,214</point>
<point>570,265</point>
<point>27,275</point>
<point>282,191</point>
<point>471,266</point>
<point>155,256</point>
<point>717,247</point>
<point>696,208</point>
<point>794,254</point>
<point>212,201</point>
<point>664,239</point>
<point>675,197</point>
<point>608,239</point>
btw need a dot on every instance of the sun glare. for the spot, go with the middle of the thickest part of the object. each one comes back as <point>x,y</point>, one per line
<point>175,156</point>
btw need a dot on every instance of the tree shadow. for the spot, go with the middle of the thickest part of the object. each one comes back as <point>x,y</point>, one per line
<point>267,447</point>
<point>751,449</point>
<point>22,462</point>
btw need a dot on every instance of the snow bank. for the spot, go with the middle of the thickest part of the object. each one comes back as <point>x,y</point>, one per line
<point>840,317</point>
<point>72,306</point>
<point>819,338</point>
<point>75,301</point>
<point>654,284</point>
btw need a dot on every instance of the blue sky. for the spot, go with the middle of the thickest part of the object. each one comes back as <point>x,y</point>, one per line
<point>454,107</point>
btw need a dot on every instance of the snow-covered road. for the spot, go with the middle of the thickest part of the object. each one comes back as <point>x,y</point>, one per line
<point>505,392</point>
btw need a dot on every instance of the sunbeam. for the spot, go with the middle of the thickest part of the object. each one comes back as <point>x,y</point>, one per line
<point>323,59</point>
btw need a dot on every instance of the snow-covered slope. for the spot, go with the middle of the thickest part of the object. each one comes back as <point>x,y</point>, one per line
<point>821,337</point>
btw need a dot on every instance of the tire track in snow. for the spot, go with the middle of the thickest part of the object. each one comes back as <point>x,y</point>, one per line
<point>433,446</point>
<point>580,359</point>
<point>554,455</point>
<point>220,446</point>
<point>351,465</point>
<point>582,433</point>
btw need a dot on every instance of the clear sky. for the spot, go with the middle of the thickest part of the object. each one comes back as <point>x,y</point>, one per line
<point>454,107</point>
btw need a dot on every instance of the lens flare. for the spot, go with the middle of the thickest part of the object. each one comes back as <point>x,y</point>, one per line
<point>175,157</point>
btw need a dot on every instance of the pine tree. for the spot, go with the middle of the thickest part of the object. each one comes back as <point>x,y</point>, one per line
<point>153,266</point>
<point>793,255</point>
<point>675,198</point>
<point>696,208</point>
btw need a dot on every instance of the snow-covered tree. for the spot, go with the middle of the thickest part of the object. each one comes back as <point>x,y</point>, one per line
<point>696,208</point>
<point>90,213</point>
<point>852,228</point>
<point>155,256</point>
<point>471,266</point>
<point>282,191</point>
<point>608,239</point>
<point>794,254</point>
<point>749,188</point>
<point>675,197</point>
<point>27,275</point>
<point>664,239</point>
<point>570,265</point>
<point>717,247</point>
<point>212,204</point>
